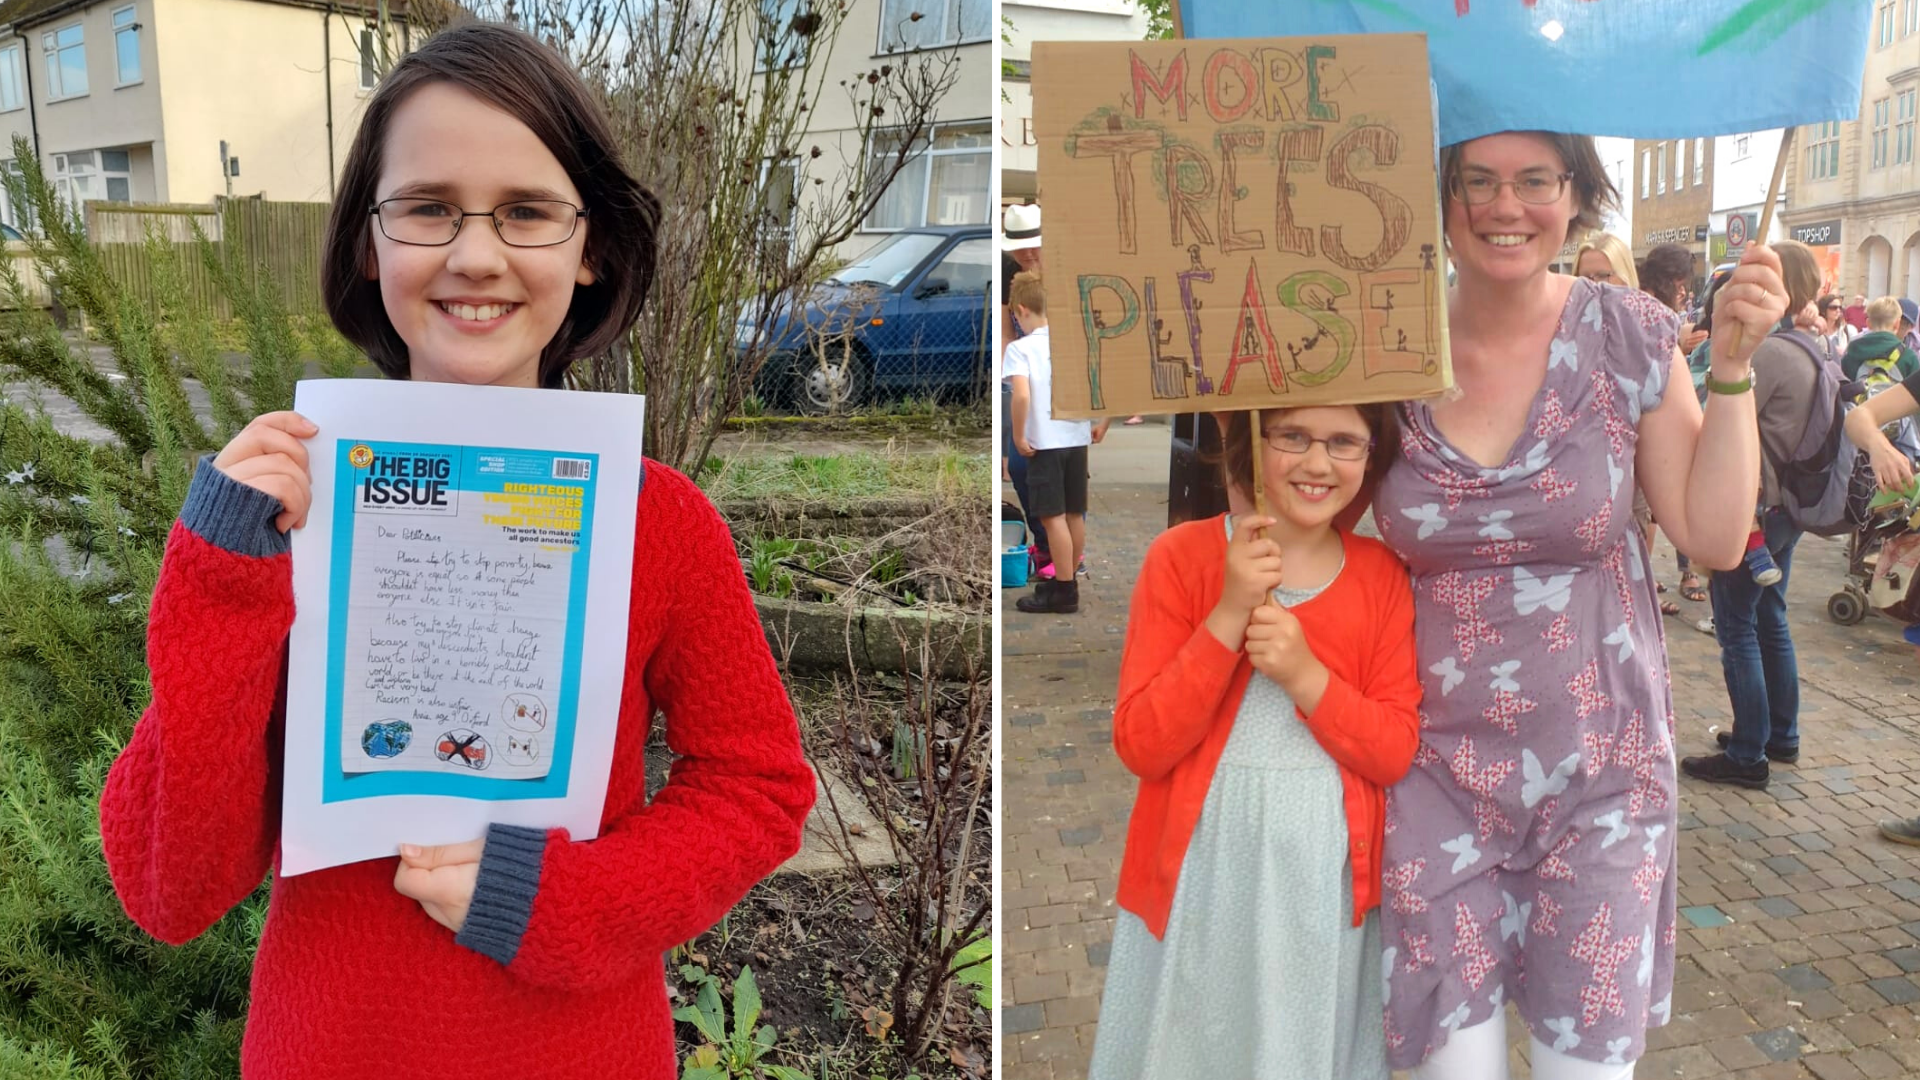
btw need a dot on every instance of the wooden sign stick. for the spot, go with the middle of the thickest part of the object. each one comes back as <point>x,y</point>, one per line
<point>1766,219</point>
<point>1258,445</point>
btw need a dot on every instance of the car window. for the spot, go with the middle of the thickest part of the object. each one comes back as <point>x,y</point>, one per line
<point>968,268</point>
<point>890,261</point>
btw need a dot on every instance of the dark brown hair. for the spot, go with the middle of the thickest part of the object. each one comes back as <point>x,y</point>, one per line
<point>1665,271</point>
<point>1593,190</point>
<point>1799,272</point>
<point>1236,440</point>
<point>510,70</point>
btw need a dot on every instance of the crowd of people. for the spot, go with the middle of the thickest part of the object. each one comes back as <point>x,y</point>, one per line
<point>1390,788</point>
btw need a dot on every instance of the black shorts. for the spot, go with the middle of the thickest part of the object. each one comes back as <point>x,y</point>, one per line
<point>1057,482</point>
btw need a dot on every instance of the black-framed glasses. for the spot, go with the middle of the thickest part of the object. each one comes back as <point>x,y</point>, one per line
<point>1479,189</point>
<point>527,223</point>
<point>1339,447</point>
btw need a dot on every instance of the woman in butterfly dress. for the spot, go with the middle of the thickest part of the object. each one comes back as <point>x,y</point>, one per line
<point>1530,850</point>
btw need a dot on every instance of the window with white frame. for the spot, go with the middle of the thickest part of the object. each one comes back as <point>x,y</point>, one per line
<point>1823,151</point>
<point>1904,107</point>
<point>944,183</point>
<point>66,54</point>
<point>1886,25</point>
<point>1909,17</point>
<point>15,216</point>
<point>1699,162</point>
<point>780,179</point>
<point>780,44</point>
<point>929,24</point>
<point>1646,173</point>
<point>1882,119</point>
<point>126,46</point>
<point>93,174</point>
<point>1742,147</point>
<point>12,89</point>
<point>1679,164</point>
<point>369,61</point>
<point>1660,172</point>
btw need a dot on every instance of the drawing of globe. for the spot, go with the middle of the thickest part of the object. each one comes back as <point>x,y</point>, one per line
<point>388,739</point>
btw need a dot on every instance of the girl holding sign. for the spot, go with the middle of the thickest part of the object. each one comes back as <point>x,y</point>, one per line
<point>1535,833</point>
<point>1267,696</point>
<point>538,955</point>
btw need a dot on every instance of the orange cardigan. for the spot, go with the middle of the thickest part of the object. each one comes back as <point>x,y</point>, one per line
<point>1180,688</point>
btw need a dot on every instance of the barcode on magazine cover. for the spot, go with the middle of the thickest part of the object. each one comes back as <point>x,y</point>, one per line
<point>572,469</point>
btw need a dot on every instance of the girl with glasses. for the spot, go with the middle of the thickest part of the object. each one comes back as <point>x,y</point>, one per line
<point>547,947</point>
<point>1267,696</point>
<point>1535,830</point>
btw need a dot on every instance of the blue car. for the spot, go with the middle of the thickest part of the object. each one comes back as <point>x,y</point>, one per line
<point>911,314</point>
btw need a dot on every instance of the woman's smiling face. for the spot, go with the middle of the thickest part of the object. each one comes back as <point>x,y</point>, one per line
<point>476,310</point>
<point>1508,239</point>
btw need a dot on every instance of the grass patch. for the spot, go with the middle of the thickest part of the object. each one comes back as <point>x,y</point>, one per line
<point>837,477</point>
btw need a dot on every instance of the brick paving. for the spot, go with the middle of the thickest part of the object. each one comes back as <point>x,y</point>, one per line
<point>1800,929</point>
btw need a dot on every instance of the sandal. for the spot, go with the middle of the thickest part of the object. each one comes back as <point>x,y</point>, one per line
<point>1668,607</point>
<point>1691,589</point>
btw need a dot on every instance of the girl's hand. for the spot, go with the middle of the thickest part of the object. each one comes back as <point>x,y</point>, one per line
<point>269,456</point>
<point>1691,340</point>
<point>441,879</point>
<point>1253,566</point>
<point>1748,307</point>
<point>1278,646</point>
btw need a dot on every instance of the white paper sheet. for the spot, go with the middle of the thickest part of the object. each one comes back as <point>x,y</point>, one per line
<point>461,588</point>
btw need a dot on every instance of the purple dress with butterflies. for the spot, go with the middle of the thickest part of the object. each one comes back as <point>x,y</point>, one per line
<point>1530,850</point>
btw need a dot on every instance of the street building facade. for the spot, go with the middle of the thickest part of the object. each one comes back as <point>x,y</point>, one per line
<point>1672,196</point>
<point>1854,185</point>
<point>1028,21</point>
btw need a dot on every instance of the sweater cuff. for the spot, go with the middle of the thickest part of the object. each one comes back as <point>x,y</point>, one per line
<point>503,895</point>
<point>232,516</point>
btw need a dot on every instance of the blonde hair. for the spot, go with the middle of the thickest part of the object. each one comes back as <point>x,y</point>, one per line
<point>1615,251</point>
<point>1883,313</point>
<point>1028,293</point>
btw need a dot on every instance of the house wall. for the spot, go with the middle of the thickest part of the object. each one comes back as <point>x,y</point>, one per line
<point>107,115</point>
<point>853,54</point>
<point>257,75</point>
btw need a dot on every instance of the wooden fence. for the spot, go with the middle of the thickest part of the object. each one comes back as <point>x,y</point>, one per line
<point>280,240</point>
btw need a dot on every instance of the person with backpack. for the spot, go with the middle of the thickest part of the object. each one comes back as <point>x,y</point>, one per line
<point>1892,472</point>
<point>1750,618</point>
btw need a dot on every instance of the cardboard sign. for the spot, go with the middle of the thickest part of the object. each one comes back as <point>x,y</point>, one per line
<point>1182,274</point>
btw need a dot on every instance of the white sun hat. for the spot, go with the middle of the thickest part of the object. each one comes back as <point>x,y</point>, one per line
<point>1020,228</point>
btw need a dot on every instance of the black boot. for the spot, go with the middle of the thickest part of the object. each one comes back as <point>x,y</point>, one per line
<point>1051,598</point>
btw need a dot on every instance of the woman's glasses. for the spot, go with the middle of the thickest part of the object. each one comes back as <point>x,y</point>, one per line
<point>432,223</point>
<point>1479,189</point>
<point>1339,447</point>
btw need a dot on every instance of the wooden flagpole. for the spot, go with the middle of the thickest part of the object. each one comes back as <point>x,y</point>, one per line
<point>1766,219</point>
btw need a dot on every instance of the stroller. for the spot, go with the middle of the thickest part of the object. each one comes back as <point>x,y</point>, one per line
<point>1883,559</point>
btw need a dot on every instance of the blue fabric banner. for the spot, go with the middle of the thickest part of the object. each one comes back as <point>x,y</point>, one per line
<point>1645,69</point>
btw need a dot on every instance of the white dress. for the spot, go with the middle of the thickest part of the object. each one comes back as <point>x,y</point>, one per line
<point>1262,974</point>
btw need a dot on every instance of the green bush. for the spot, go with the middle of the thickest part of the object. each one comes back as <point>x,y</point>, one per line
<point>83,992</point>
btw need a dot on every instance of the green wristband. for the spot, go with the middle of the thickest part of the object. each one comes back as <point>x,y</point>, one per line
<point>1715,386</point>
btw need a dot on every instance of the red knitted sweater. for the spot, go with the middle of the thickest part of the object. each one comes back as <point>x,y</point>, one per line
<point>352,979</point>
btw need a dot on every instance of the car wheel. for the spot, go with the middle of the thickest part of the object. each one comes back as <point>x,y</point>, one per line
<point>818,386</point>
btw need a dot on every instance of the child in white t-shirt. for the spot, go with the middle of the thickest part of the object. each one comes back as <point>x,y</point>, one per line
<point>1056,450</point>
